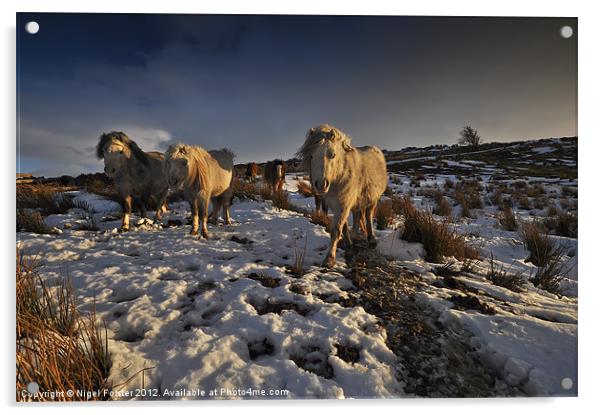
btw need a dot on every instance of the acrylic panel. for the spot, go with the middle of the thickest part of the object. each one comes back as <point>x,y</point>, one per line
<point>291,207</point>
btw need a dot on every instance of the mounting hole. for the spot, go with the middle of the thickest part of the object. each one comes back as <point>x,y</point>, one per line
<point>566,383</point>
<point>566,31</point>
<point>32,28</point>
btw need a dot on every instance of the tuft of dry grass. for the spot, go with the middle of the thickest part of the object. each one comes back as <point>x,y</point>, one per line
<point>304,188</point>
<point>57,346</point>
<point>280,200</point>
<point>501,276</point>
<point>542,249</point>
<point>320,218</point>
<point>298,267</point>
<point>443,207</point>
<point>507,219</point>
<point>45,198</point>
<point>549,276</point>
<point>439,239</point>
<point>397,205</point>
<point>101,188</point>
<point>563,224</point>
<point>384,214</point>
<point>245,190</point>
<point>32,221</point>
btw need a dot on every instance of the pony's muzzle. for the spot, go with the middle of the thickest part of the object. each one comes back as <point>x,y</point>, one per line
<point>321,186</point>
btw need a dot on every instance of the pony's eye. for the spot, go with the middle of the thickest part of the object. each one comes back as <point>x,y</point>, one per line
<point>330,155</point>
<point>120,151</point>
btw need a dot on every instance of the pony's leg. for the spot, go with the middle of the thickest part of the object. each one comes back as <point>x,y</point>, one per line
<point>357,218</point>
<point>339,221</point>
<point>369,228</point>
<point>347,242</point>
<point>194,207</point>
<point>161,208</point>
<point>127,211</point>
<point>215,202</point>
<point>204,207</point>
<point>226,208</point>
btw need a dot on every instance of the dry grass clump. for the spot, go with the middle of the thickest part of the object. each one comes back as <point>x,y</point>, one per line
<point>244,190</point>
<point>549,276</point>
<point>569,191</point>
<point>443,207</point>
<point>563,224</point>
<point>304,188</point>
<point>438,238</point>
<point>507,219</point>
<point>32,221</point>
<point>397,205</point>
<point>468,195</point>
<point>523,201</point>
<point>542,249</point>
<point>281,201</point>
<point>536,190</point>
<point>57,347</point>
<point>318,217</point>
<point>298,266</point>
<point>384,214</point>
<point>501,276</point>
<point>45,198</point>
<point>101,188</point>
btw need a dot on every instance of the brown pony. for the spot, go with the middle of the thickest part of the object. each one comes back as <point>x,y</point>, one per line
<point>252,172</point>
<point>274,173</point>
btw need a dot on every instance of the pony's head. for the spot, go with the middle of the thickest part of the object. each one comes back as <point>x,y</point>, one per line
<point>177,165</point>
<point>322,155</point>
<point>116,148</point>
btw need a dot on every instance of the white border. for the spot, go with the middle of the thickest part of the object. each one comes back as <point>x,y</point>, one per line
<point>590,128</point>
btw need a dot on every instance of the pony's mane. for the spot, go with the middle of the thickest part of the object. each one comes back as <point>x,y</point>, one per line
<point>196,156</point>
<point>226,151</point>
<point>123,139</point>
<point>316,137</point>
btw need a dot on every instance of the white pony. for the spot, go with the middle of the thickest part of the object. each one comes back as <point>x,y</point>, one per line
<point>350,179</point>
<point>202,176</point>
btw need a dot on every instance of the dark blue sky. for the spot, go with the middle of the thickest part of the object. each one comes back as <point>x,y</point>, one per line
<point>257,83</point>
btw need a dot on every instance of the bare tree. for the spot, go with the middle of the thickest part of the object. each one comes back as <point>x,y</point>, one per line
<point>470,136</point>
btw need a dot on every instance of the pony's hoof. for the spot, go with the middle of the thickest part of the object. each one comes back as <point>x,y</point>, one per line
<point>194,233</point>
<point>124,229</point>
<point>372,243</point>
<point>329,262</point>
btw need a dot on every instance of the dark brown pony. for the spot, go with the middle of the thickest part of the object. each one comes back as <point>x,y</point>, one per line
<point>252,172</point>
<point>273,173</point>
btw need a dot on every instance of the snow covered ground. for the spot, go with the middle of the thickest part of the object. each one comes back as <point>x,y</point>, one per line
<point>196,312</point>
<point>228,314</point>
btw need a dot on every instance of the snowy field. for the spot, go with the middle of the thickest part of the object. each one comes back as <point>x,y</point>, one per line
<point>229,314</point>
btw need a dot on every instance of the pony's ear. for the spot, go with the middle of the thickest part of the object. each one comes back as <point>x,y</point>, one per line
<point>183,150</point>
<point>347,145</point>
<point>331,135</point>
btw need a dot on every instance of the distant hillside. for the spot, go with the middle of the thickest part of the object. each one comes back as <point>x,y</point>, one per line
<point>550,157</point>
